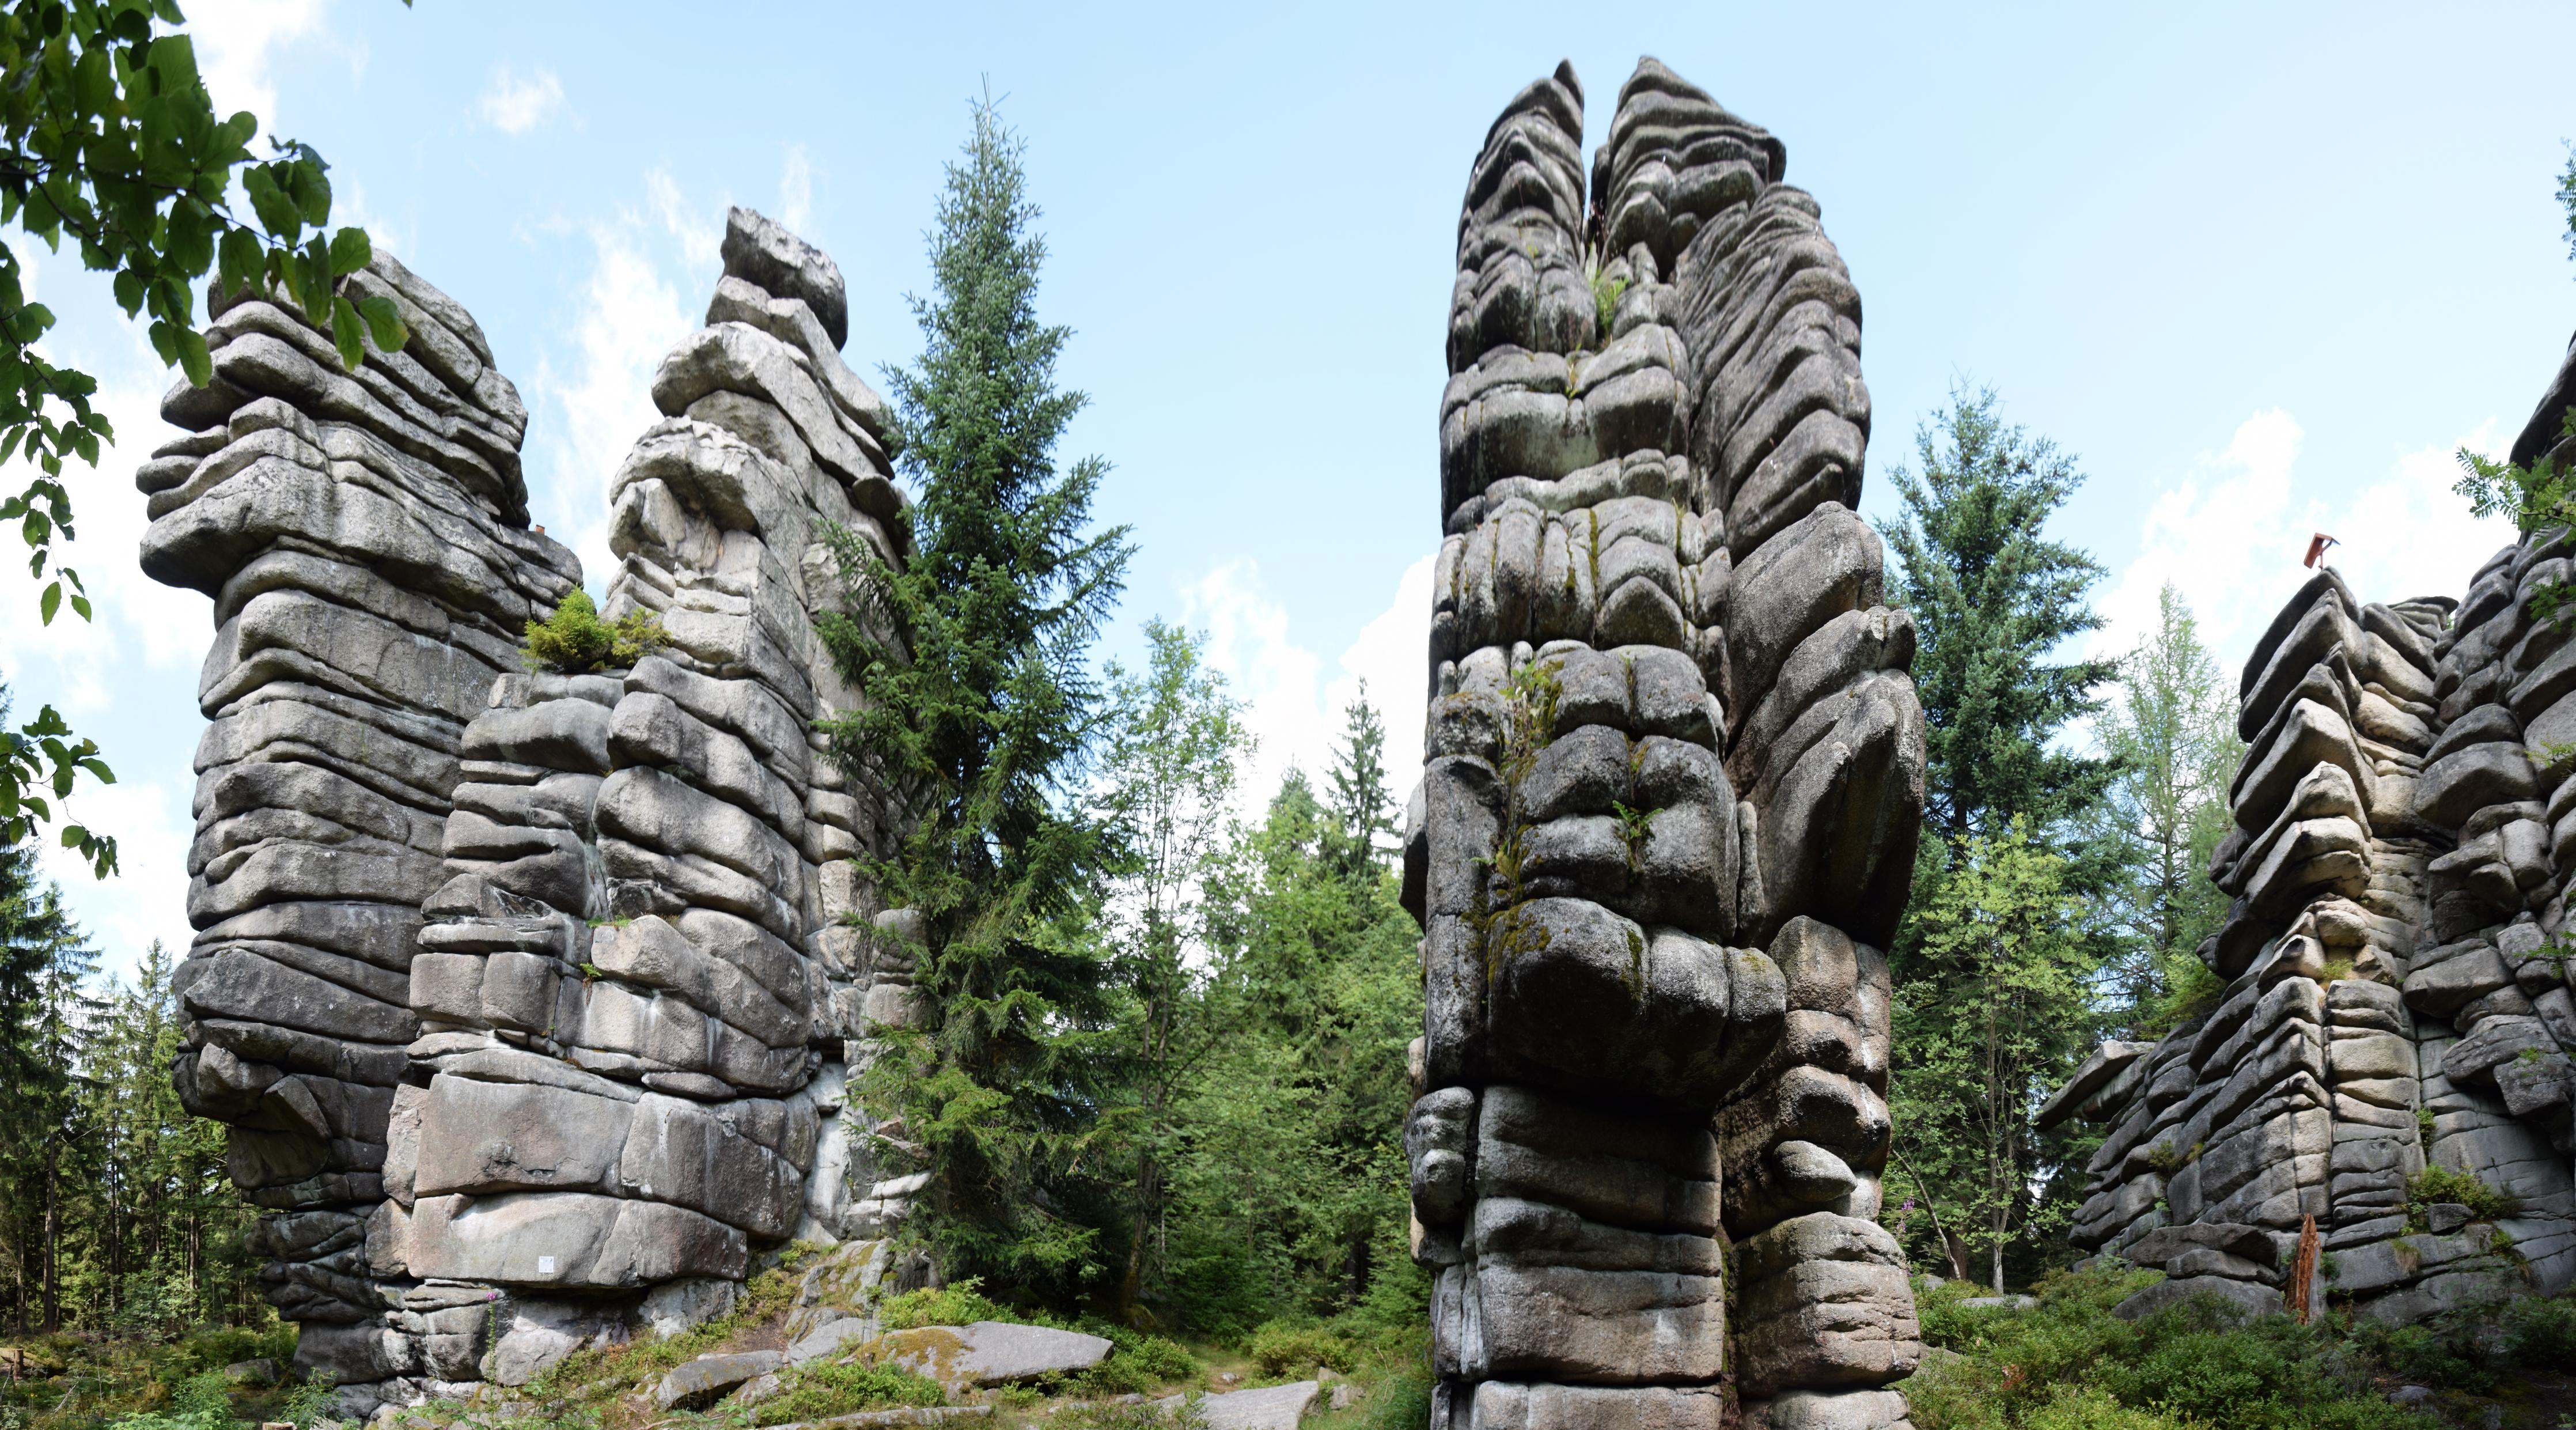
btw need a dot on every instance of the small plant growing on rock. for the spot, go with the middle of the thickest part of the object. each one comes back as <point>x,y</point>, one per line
<point>575,641</point>
<point>2437,1185</point>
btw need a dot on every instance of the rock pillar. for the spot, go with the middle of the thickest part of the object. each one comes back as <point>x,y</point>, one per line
<point>1674,771</point>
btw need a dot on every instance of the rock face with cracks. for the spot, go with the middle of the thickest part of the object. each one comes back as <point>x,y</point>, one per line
<point>530,998</point>
<point>2397,995</point>
<point>1673,777</point>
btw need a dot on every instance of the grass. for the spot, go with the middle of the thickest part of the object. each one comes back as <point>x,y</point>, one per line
<point>819,1388</point>
<point>2069,1364</point>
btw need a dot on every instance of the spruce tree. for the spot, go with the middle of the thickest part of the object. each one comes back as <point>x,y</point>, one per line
<point>986,718</point>
<point>1993,599</point>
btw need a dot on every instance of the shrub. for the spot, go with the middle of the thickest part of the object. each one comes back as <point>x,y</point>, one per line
<point>2540,1331</point>
<point>1279,1348</point>
<point>820,1388</point>
<point>1138,1363</point>
<point>1111,1415</point>
<point>200,1402</point>
<point>575,641</point>
<point>214,1347</point>
<point>2435,1185</point>
<point>2085,1407</point>
<point>956,1304</point>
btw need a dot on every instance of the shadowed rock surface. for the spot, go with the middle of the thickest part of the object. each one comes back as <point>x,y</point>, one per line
<point>530,997</point>
<point>1674,773</point>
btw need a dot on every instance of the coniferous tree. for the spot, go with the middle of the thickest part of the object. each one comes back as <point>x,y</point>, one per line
<point>2012,878</point>
<point>1993,599</point>
<point>986,717</point>
<point>2173,735</point>
<point>1292,1198</point>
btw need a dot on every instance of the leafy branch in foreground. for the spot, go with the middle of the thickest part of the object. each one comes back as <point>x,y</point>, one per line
<point>2536,498</point>
<point>109,138</point>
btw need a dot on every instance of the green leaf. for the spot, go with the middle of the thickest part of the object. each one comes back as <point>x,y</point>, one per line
<point>384,323</point>
<point>241,259</point>
<point>80,606</point>
<point>348,333</point>
<point>350,251</point>
<point>193,357</point>
<point>276,211</point>
<point>50,602</point>
<point>311,191</point>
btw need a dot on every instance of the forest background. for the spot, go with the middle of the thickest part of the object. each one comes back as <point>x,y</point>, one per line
<point>1203,1124</point>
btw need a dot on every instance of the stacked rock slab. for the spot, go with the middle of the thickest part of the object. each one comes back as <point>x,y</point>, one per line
<point>1674,772</point>
<point>2403,839</point>
<point>536,1015</point>
<point>364,537</point>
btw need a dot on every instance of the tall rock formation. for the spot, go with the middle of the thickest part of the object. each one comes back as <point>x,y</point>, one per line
<point>1673,778</point>
<point>2404,835</point>
<point>529,997</point>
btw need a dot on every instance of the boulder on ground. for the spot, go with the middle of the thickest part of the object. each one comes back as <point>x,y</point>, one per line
<point>990,1352</point>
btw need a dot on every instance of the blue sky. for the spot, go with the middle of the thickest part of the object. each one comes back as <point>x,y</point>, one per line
<point>2261,270</point>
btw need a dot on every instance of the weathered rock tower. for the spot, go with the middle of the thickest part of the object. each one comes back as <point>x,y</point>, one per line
<point>2401,860</point>
<point>528,997</point>
<point>1674,773</point>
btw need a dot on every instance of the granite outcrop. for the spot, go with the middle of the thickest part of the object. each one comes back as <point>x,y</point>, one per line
<point>530,997</point>
<point>2397,993</point>
<point>1667,819</point>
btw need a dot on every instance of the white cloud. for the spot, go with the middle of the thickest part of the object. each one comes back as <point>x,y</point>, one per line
<point>84,665</point>
<point>514,105</point>
<point>796,191</point>
<point>2231,533</point>
<point>148,897</point>
<point>700,229</point>
<point>140,654</point>
<point>233,39</point>
<point>631,314</point>
<point>1294,706</point>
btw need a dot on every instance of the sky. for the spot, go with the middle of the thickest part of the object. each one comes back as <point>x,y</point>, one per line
<point>2261,270</point>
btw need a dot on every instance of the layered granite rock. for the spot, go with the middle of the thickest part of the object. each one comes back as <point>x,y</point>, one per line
<point>1674,772</point>
<point>2404,835</point>
<point>530,997</point>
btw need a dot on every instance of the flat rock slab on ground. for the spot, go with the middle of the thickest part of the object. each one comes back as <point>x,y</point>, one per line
<point>697,1383</point>
<point>1273,1407</point>
<point>990,1352</point>
<point>831,1338</point>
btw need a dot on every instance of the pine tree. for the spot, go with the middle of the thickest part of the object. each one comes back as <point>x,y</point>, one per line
<point>987,719</point>
<point>43,1013</point>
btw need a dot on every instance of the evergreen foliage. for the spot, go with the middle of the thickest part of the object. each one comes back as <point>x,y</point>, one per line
<point>2172,735</point>
<point>115,1212</point>
<point>1993,599</point>
<point>987,721</point>
<point>1293,1199</point>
